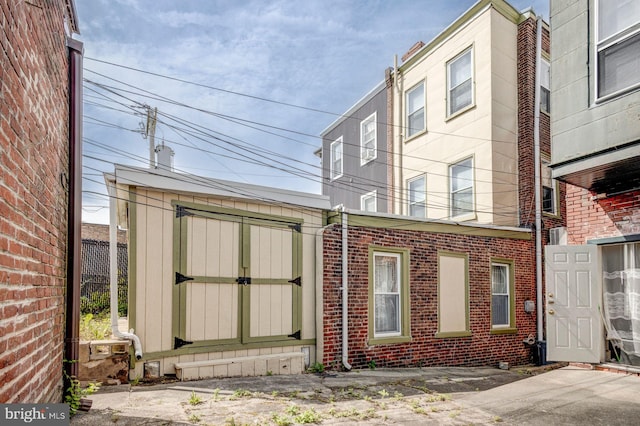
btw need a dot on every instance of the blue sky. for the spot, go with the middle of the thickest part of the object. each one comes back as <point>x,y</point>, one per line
<point>270,76</point>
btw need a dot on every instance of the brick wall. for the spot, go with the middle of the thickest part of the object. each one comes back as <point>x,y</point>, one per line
<point>98,232</point>
<point>526,110</point>
<point>482,348</point>
<point>33,199</point>
<point>591,218</point>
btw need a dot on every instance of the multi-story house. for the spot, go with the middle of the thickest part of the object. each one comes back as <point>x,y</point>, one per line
<point>595,98</point>
<point>40,191</point>
<point>468,135</point>
<point>469,139</point>
<point>357,172</point>
<point>457,128</point>
<point>355,155</point>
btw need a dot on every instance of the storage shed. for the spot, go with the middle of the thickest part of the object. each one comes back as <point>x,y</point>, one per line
<point>222,277</point>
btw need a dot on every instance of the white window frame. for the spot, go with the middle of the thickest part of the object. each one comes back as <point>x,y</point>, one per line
<point>336,146</point>
<point>611,42</point>
<point>397,293</point>
<point>368,141</point>
<point>545,86</point>
<point>450,111</point>
<point>509,288</point>
<point>411,132</point>
<point>365,197</point>
<point>548,182</point>
<point>411,204</point>
<point>453,193</point>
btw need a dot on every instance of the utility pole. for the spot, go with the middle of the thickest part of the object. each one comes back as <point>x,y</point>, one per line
<point>150,132</point>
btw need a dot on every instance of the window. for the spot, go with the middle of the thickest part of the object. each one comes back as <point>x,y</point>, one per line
<point>368,202</point>
<point>621,287</point>
<point>502,296</point>
<point>549,186</point>
<point>453,295</point>
<point>415,110</point>
<point>386,288</point>
<point>336,158</point>
<point>618,46</point>
<point>417,196</point>
<point>461,188</point>
<point>499,295</point>
<point>389,314</point>
<point>460,82</point>
<point>545,86</point>
<point>368,139</point>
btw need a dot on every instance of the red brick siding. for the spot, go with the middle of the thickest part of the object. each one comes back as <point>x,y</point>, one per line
<point>98,232</point>
<point>526,110</point>
<point>33,199</point>
<point>482,348</point>
<point>590,218</point>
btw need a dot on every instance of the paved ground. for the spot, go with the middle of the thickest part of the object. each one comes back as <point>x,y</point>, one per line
<point>567,396</point>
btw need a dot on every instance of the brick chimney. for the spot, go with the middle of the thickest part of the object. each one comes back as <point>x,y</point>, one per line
<point>413,49</point>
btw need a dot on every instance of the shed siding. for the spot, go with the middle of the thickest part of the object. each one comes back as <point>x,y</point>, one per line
<point>153,278</point>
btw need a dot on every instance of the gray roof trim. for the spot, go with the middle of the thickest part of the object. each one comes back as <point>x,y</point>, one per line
<point>366,98</point>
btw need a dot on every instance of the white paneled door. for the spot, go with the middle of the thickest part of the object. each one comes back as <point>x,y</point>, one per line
<point>573,303</point>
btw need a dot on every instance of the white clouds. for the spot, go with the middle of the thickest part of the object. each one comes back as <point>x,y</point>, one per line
<point>177,19</point>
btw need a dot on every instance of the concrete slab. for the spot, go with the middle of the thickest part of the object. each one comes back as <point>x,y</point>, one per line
<point>395,396</point>
<point>567,396</point>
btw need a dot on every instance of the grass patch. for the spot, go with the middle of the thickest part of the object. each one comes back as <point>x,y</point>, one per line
<point>96,327</point>
<point>241,393</point>
<point>293,414</point>
<point>316,367</point>
<point>195,399</point>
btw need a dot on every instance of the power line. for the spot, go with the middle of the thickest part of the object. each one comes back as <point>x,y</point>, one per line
<point>375,183</point>
<point>245,158</point>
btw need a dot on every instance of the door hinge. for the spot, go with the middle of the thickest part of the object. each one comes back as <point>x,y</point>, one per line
<point>182,278</point>
<point>295,335</point>
<point>243,280</point>
<point>296,227</point>
<point>178,342</point>
<point>182,211</point>
<point>297,281</point>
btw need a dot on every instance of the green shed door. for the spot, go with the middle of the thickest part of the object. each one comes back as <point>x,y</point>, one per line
<point>237,278</point>
<point>271,302</point>
<point>212,297</point>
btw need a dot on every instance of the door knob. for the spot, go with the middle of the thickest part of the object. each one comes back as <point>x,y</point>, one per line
<point>551,311</point>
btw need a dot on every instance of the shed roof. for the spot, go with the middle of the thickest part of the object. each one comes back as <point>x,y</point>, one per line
<point>188,183</point>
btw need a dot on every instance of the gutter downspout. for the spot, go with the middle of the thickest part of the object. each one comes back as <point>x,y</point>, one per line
<point>537,183</point>
<point>74,211</point>
<point>113,272</point>
<point>401,129</point>
<point>345,292</point>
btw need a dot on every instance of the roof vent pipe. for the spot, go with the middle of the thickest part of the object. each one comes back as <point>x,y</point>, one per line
<point>113,273</point>
<point>164,156</point>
